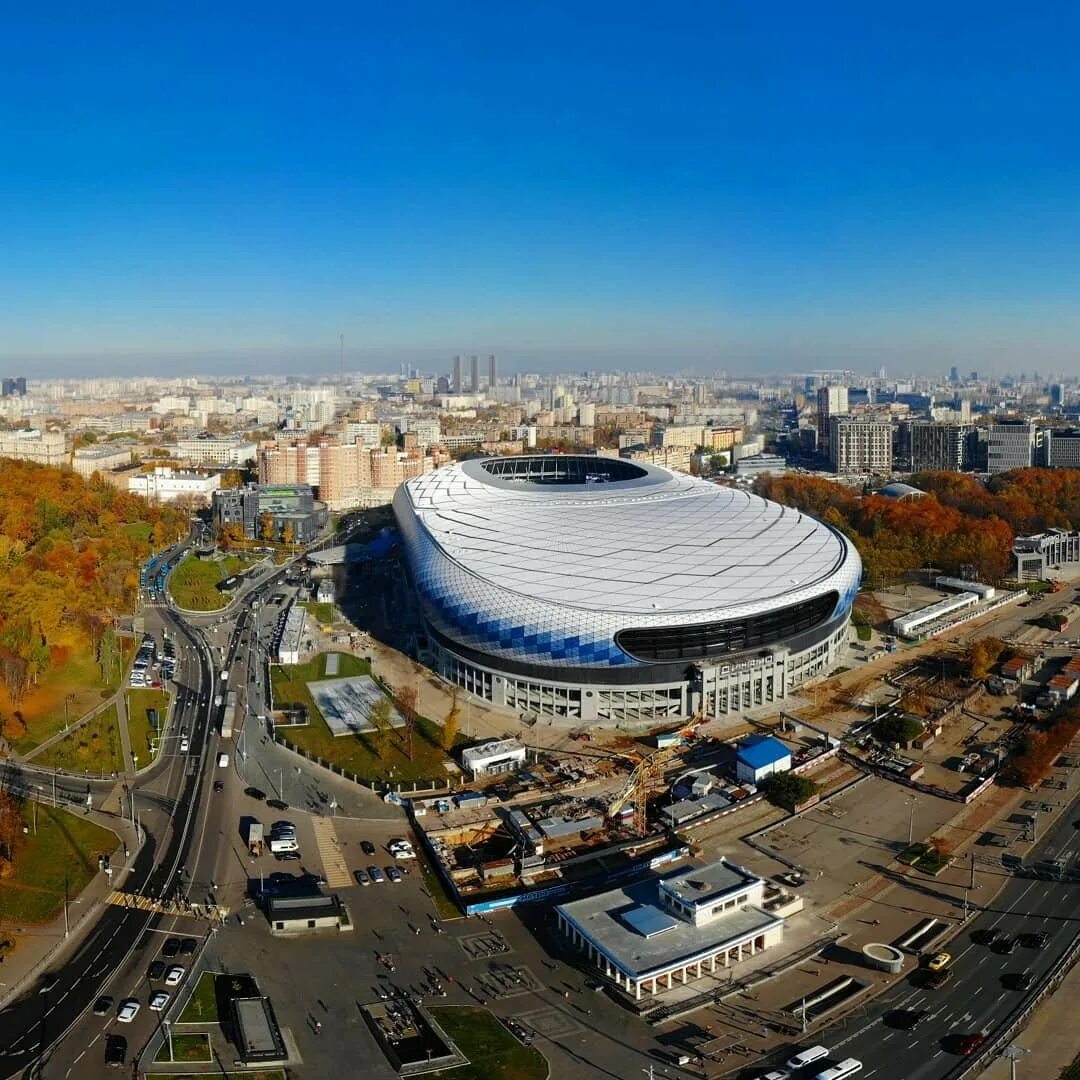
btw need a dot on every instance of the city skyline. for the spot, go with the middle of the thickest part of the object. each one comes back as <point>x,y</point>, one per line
<point>729,191</point>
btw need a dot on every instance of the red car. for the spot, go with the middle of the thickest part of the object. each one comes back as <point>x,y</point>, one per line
<point>970,1043</point>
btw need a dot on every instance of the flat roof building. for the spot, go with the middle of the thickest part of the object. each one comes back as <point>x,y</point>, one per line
<point>497,756</point>
<point>759,756</point>
<point>648,935</point>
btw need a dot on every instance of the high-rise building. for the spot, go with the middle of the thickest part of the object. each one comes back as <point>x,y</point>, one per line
<point>1013,444</point>
<point>458,388</point>
<point>941,447</point>
<point>474,373</point>
<point>954,374</point>
<point>1063,448</point>
<point>860,445</point>
<point>1057,395</point>
<point>831,401</point>
<point>493,373</point>
<point>13,387</point>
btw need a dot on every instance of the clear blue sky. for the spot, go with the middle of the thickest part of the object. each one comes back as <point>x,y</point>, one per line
<point>711,185</point>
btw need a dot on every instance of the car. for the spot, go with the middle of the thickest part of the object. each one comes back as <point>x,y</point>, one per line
<point>990,937</point>
<point>277,804</point>
<point>175,975</point>
<point>1005,945</point>
<point>158,1000</point>
<point>48,981</point>
<point>905,1019</point>
<point>188,946</point>
<point>401,849</point>
<point>115,1051</point>
<point>939,961</point>
<point>375,874</point>
<point>255,793</point>
<point>367,847</point>
<point>968,1044</point>
<point>156,970</point>
<point>806,1057</point>
<point>283,828</point>
<point>1038,940</point>
<point>404,870</point>
<point>935,980</point>
<point>361,877</point>
<point>394,874</point>
<point>171,947</point>
<point>1023,980</point>
<point>287,856</point>
<point>103,1005</point>
<point>219,785</point>
<point>129,1009</point>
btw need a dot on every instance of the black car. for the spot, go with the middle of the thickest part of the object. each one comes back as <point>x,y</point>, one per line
<point>905,1019</point>
<point>255,793</point>
<point>156,970</point>
<point>115,1051</point>
<point>48,981</point>
<point>277,804</point>
<point>287,856</point>
<point>990,937</point>
<point>1023,980</point>
<point>1005,945</point>
<point>188,946</point>
<point>103,1006</point>
<point>171,947</point>
<point>367,847</point>
<point>1035,941</point>
<point>219,785</point>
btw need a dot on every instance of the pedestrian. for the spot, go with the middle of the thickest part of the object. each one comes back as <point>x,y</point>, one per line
<point>318,1027</point>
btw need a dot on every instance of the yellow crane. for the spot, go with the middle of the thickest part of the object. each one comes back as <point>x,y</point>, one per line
<point>646,771</point>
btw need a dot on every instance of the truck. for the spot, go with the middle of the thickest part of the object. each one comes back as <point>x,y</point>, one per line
<point>255,841</point>
<point>228,715</point>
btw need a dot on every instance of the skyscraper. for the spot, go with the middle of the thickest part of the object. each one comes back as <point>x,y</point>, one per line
<point>831,401</point>
<point>457,375</point>
<point>15,387</point>
<point>474,371</point>
<point>493,373</point>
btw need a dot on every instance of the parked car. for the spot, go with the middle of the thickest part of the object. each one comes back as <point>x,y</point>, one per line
<point>375,874</point>
<point>103,1005</point>
<point>174,976</point>
<point>115,1051</point>
<point>367,847</point>
<point>171,947</point>
<point>394,874</point>
<point>188,946</point>
<point>361,877</point>
<point>255,793</point>
<point>158,1000</point>
<point>129,1009</point>
<point>156,970</point>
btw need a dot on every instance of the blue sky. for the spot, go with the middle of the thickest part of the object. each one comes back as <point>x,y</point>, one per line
<point>739,186</point>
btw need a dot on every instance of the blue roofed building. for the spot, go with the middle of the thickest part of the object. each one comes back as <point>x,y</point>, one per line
<point>759,756</point>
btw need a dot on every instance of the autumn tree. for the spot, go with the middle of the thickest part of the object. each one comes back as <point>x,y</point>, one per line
<point>451,724</point>
<point>266,526</point>
<point>407,705</point>
<point>288,532</point>
<point>982,655</point>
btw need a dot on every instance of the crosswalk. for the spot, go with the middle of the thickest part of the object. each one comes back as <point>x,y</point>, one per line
<point>135,902</point>
<point>335,869</point>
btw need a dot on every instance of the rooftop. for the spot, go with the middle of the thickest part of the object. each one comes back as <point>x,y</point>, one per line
<point>757,751</point>
<point>700,886</point>
<point>494,748</point>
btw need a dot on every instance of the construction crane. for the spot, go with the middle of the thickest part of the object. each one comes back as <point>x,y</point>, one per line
<point>646,771</point>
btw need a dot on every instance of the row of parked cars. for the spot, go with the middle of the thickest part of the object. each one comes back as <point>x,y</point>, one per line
<point>402,850</point>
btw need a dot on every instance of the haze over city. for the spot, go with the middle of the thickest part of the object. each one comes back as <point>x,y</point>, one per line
<point>617,186</point>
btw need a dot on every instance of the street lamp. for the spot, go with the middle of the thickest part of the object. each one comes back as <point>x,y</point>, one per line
<point>1013,1053</point>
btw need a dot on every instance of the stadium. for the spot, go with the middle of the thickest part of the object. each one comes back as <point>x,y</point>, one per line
<point>595,590</point>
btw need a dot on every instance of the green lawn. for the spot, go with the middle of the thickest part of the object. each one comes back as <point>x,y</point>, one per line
<point>193,584</point>
<point>861,624</point>
<point>321,613</point>
<point>65,845</point>
<point>202,1006</point>
<point>493,1053</point>
<point>371,757</point>
<point>187,1046</point>
<point>236,564</point>
<point>139,730</point>
<point>440,897</point>
<point>93,747</point>
<point>139,530</point>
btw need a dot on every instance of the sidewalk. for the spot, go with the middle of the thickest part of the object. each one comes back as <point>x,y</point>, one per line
<point>39,947</point>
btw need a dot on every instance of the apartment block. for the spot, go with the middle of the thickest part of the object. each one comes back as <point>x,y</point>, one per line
<point>860,445</point>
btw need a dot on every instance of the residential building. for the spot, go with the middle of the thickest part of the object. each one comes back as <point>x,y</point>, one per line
<point>493,373</point>
<point>647,936</point>
<point>458,387</point>
<point>207,449</point>
<point>941,447</point>
<point>831,401</point>
<point>474,374</point>
<point>30,444</point>
<point>687,435</point>
<point>1013,444</point>
<point>88,460</point>
<point>13,387</point>
<point>859,445</point>
<point>166,485</point>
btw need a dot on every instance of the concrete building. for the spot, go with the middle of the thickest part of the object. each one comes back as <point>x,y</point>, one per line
<point>497,756</point>
<point>941,447</point>
<point>859,445</point>
<point>1063,448</point>
<point>1013,444</point>
<point>474,374</point>
<point>88,460</point>
<point>216,450</point>
<point>759,756</point>
<point>648,936</point>
<point>30,444</point>
<point>284,508</point>
<point>493,373</point>
<point>165,485</point>
<point>831,401</point>
<point>1034,556</point>
<point>289,642</point>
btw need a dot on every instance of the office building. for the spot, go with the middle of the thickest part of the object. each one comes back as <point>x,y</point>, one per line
<point>1063,448</point>
<point>165,485</point>
<point>858,445</point>
<point>285,512</point>
<point>940,447</point>
<point>1013,444</point>
<point>88,460</point>
<point>831,401</point>
<point>458,388</point>
<point>474,374</point>
<point>493,374</point>
<point>13,387</point>
<point>30,444</point>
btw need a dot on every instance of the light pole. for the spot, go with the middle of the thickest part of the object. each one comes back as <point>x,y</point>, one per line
<point>911,822</point>
<point>67,927</point>
<point>1013,1053</point>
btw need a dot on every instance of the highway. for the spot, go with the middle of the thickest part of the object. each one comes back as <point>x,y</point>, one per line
<point>981,994</point>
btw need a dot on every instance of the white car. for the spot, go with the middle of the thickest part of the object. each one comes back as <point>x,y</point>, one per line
<point>129,1009</point>
<point>174,976</point>
<point>159,1000</point>
<point>401,849</point>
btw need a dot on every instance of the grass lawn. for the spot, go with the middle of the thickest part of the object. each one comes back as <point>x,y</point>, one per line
<point>321,613</point>
<point>202,1006</point>
<point>188,1046</point>
<point>65,845</point>
<point>493,1053</point>
<point>371,757</point>
<point>139,530</point>
<point>139,730</point>
<point>440,897</point>
<point>861,624</point>
<point>193,584</point>
<point>94,747</point>
<point>72,687</point>
<point>235,564</point>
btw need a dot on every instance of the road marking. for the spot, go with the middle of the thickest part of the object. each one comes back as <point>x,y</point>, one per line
<point>335,869</point>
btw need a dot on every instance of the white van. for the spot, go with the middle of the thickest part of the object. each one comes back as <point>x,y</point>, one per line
<point>283,843</point>
<point>847,1067</point>
<point>807,1057</point>
<point>222,761</point>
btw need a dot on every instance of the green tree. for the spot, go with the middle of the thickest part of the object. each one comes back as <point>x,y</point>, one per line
<point>898,729</point>
<point>787,790</point>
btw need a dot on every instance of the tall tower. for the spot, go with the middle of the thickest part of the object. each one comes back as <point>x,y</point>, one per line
<point>457,375</point>
<point>493,374</point>
<point>831,401</point>
<point>474,372</point>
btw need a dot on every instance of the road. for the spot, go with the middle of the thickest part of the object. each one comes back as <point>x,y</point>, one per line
<point>980,995</point>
